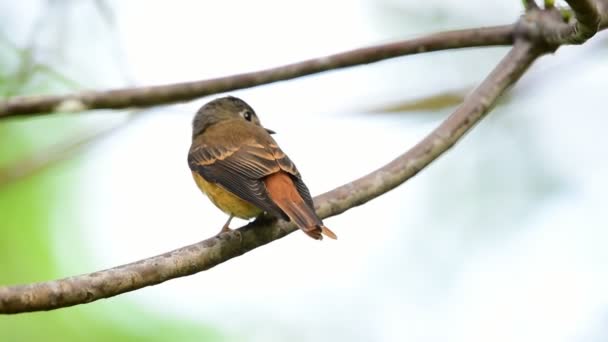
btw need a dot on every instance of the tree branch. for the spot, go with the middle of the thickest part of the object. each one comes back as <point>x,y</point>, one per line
<point>545,25</point>
<point>211,252</point>
<point>539,25</point>
<point>171,93</point>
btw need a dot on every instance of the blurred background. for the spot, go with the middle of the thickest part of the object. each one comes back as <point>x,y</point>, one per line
<point>501,239</point>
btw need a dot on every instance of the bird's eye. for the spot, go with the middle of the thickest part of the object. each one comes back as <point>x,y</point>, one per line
<point>248,115</point>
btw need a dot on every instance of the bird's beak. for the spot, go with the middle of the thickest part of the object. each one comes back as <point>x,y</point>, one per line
<point>269,131</point>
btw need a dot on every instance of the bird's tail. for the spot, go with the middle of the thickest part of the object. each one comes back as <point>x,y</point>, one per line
<point>283,192</point>
<point>305,218</point>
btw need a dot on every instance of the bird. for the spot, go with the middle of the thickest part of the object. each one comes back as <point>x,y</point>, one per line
<point>235,162</point>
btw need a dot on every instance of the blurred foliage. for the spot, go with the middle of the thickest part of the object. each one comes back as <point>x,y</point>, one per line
<point>429,103</point>
<point>501,179</point>
<point>485,181</point>
<point>27,210</point>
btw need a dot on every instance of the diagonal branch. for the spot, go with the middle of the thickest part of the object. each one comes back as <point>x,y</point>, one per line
<point>171,93</point>
<point>211,252</point>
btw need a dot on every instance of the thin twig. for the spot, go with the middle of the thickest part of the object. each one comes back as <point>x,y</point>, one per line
<point>211,252</point>
<point>44,158</point>
<point>171,93</point>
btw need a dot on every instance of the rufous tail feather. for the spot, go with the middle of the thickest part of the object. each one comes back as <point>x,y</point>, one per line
<point>283,193</point>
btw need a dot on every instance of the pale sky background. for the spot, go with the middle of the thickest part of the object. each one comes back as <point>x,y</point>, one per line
<point>466,251</point>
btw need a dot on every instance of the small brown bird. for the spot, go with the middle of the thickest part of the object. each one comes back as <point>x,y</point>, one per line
<point>242,170</point>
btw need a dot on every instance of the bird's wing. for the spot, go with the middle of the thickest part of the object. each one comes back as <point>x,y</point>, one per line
<point>241,169</point>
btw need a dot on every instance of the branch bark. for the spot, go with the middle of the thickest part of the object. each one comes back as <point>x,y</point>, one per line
<point>549,27</point>
<point>211,252</point>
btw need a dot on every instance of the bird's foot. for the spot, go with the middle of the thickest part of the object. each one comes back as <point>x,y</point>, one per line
<point>233,232</point>
<point>225,229</point>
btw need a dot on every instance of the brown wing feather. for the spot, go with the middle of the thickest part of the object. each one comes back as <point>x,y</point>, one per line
<point>238,170</point>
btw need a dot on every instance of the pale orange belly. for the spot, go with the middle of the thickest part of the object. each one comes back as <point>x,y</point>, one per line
<point>225,200</point>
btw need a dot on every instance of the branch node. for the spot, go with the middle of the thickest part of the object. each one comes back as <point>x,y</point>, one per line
<point>70,106</point>
<point>529,4</point>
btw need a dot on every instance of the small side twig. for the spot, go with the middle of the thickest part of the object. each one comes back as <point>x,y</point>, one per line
<point>530,4</point>
<point>550,26</point>
<point>588,19</point>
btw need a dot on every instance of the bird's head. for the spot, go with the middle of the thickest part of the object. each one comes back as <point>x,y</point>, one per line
<point>221,109</point>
